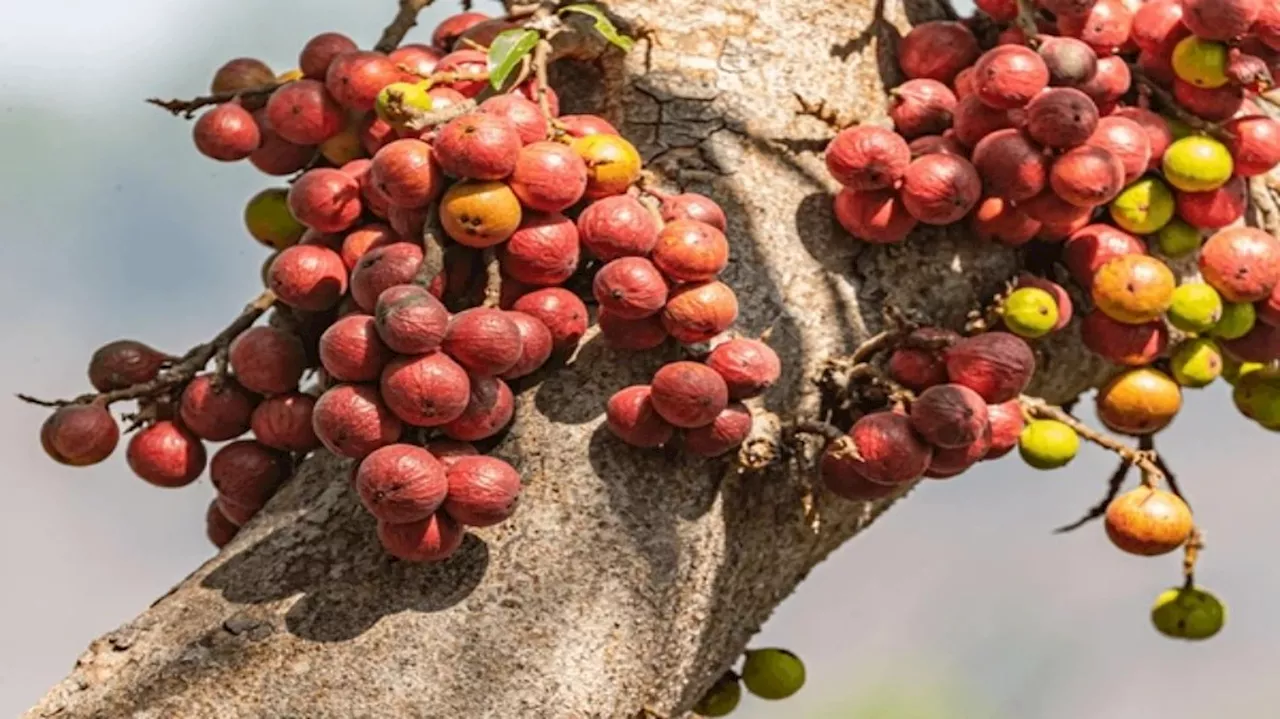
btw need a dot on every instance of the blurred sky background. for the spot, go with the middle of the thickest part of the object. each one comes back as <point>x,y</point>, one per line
<point>960,604</point>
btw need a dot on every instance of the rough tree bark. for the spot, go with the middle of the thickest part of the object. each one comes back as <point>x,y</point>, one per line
<point>628,579</point>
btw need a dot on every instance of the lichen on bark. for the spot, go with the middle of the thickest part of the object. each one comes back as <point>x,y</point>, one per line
<point>627,579</point>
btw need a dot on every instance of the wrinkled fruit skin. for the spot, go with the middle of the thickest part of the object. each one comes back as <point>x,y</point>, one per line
<point>726,432</point>
<point>876,216</point>
<point>216,410</point>
<point>630,416</point>
<point>1139,401</point>
<point>124,363</point>
<point>426,390</point>
<point>489,410</point>
<point>267,360</point>
<point>410,320</point>
<point>1243,264</point>
<point>483,340</point>
<point>166,454</point>
<point>940,189</point>
<point>888,451</point>
<point>699,312</point>
<point>401,483</point>
<point>308,277</point>
<point>749,367</point>
<point>284,422</point>
<point>688,394</point>
<point>483,491</point>
<point>80,435</point>
<point>996,365</point>
<point>351,421</point>
<point>431,540</point>
<point>868,158</point>
<point>949,416</point>
<point>1006,422</point>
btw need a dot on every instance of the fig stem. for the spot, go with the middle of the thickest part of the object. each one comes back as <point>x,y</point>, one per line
<point>187,108</point>
<point>1190,555</point>
<point>179,374</point>
<point>541,59</point>
<point>1146,461</point>
<point>493,278</point>
<point>406,17</point>
<point>1026,22</point>
<point>422,119</point>
<point>432,249</point>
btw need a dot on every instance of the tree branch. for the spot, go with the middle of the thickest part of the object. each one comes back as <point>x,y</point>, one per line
<point>406,17</point>
<point>187,108</point>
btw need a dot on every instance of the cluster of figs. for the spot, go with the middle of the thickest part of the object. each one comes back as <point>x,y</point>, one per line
<point>1126,140</point>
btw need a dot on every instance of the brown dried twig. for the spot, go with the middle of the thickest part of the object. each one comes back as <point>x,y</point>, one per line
<point>179,374</point>
<point>187,108</point>
<point>404,21</point>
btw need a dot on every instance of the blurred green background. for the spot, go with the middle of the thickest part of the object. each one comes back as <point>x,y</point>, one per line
<point>958,605</point>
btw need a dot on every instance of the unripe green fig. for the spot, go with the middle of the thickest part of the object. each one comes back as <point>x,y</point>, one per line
<point>1188,613</point>
<point>1233,369</point>
<point>1236,321</point>
<point>269,220</point>
<point>772,673</point>
<point>1030,312</point>
<point>1144,207</point>
<point>1196,362</point>
<point>1178,239</point>
<point>722,698</point>
<point>1196,307</point>
<point>1048,444</point>
<point>1201,62</point>
<point>1197,164</point>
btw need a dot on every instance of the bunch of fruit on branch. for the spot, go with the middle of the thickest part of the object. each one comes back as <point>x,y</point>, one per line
<point>428,255</point>
<point>1130,142</point>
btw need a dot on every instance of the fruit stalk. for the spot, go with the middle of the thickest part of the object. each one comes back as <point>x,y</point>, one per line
<point>179,374</point>
<point>1145,461</point>
<point>1190,555</point>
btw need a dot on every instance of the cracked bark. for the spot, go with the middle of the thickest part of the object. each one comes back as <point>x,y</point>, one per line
<point>627,579</point>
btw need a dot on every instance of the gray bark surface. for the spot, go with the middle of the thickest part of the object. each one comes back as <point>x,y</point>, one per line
<point>627,578</point>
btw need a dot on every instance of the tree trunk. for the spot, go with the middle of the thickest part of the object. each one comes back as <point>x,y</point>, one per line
<point>628,578</point>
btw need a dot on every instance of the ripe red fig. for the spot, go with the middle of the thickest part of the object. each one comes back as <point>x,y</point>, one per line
<point>583,125</point>
<point>1006,422</point>
<point>465,61</point>
<point>948,462</point>
<point>227,133</point>
<point>690,251</point>
<point>1212,104</point>
<point>483,491</point>
<point>406,172</point>
<point>726,432</point>
<point>354,79</point>
<point>1126,140</point>
<point>630,287</point>
<point>998,220</point>
<point>1159,136</point>
<point>1261,344</point>
<point>319,52</point>
<point>302,113</point>
<point>521,113</point>
<point>124,363</point>
<point>548,176</point>
<point>80,434</point>
<point>449,29</point>
<point>308,277</point>
<point>921,107</point>
<point>1014,166</point>
<point>351,420</point>
<point>618,226</point>
<point>247,473</point>
<point>1105,26</point>
<point>1008,76</point>
<point>409,320</point>
<point>535,345</point>
<point>352,351</point>
<point>241,73</point>
<point>433,539</point>
<point>698,312</point>
<point>631,417</point>
<point>216,409</point>
<point>483,340</point>
<point>427,390</point>
<point>884,450</point>
<point>1214,209</point>
<point>749,367</point>
<point>358,242</point>
<point>941,189</point>
<point>639,335</point>
<point>217,527</point>
<point>1255,145</point>
<point>383,268</point>
<point>488,411</point>
<point>478,147</point>
<point>1220,19</point>
<point>1088,176</point>
<point>401,483</point>
<point>949,416</point>
<point>1158,26</point>
<point>544,251</point>
<point>267,360</point>
<point>919,363</point>
<point>945,144</point>
<point>1061,117</point>
<point>1109,83</point>
<point>688,394</point>
<point>692,206</point>
<point>326,199</point>
<point>974,120</point>
<point>166,454</point>
<point>1071,62</point>
<point>876,216</point>
<point>1241,263</point>
<point>996,365</point>
<point>937,50</point>
<point>284,422</point>
<point>867,157</point>
<point>561,311</point>
<point>1125,344</point>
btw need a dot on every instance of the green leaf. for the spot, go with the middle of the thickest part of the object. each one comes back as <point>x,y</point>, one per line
<point>604,25</point>
<point>508,48</point>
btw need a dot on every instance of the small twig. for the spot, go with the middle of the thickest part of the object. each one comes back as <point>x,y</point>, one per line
<point>422,120</point>
<point>493,278</point>
<point>828,115</point>
<point>187,108</point>
<point>1026,22</point>
<point>1190,555</point>
<point>1098,510</point>
<point>180,373</point>
<point>541,58</point>
<point>823,429</point>
<point>406,17</point>
<point>448,77</point>
<point>872,346</point>
<point>1144,460</point>
<point>432,250</point>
